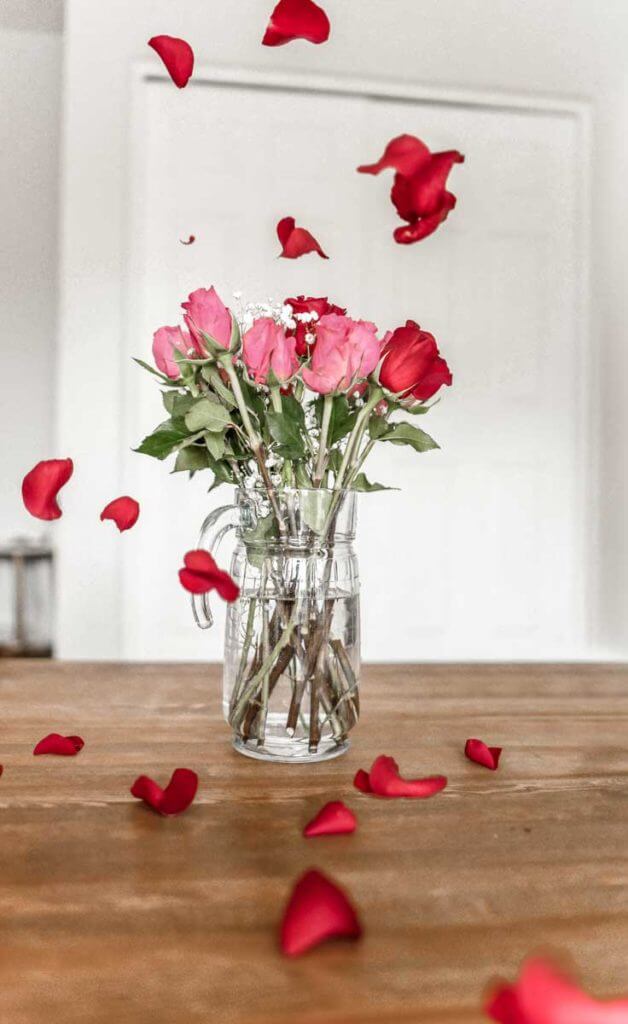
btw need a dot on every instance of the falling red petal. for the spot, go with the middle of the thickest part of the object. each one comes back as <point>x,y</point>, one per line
<point>178,57</point>
<point>295,241</point>
<point>385,780</point>
<point>543,995</point>
<point>201,574</point>
<point>64,746</point>
<point>175,798</point>
<point>361,781</point>
<point>190,240</point>
<point>296,19</point>
<point>405,154</point>
<point>317,910</point>
<point>41,486</point>
<point>407,234</point>
<point>124,512</point>
<point>478,751</point>
<point>334,819</point>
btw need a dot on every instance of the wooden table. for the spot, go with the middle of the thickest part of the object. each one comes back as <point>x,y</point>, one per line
<point>109,913</point>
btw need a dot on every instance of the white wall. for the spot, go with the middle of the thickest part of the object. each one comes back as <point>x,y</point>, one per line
<point>30,91</point>
<point>564,48</point>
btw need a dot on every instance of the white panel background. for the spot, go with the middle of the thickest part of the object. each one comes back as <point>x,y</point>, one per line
<point>482,554</point>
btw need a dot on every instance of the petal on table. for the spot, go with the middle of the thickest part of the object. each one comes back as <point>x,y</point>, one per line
<point>318,910</point>
<point>334,819</point>
<point>385,780</point>
<point>361,781</point>
<point>477,750</point>
<point>64,746</point>
<point>175,798</point>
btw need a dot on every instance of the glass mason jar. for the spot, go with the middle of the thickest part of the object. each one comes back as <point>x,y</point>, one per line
<point>292,640</point>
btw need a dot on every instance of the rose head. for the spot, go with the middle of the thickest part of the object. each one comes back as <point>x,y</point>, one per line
<point>321,307</point>
<point>205,312</point>
<point>412,364</point>
<point>346,351</point>
<point>265,347</point>
<point>166,341</point>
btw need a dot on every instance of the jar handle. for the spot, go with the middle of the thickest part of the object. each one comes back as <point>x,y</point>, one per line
<point>210,538</point>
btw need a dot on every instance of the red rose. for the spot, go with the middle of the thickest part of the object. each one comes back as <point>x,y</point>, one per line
<point>321,307</point>
<point>412,364</point>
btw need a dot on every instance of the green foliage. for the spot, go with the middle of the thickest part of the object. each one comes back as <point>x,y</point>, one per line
<point>362,484</point>
<point>405,433</point>
<point>162,442</point>
<point>206,414</point>
<point>191,459</point>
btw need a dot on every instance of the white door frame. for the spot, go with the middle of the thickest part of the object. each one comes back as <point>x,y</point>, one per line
<point>114,300</point>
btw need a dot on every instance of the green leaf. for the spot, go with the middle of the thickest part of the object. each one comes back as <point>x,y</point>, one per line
<point>167,381</point>
<point>314,509</point>
<point>223,473</point>
<point>181,405</point>
<point>210,374</point>
<point>215,443</point>
<point>362,484</point>
<point>161,442</point>
<point>405,433</point>
<point>191,459</point>
<point>207,414</point>
<point>378,426</point>
<point>342,420</point>
<point>168,398</point>
<point>287,434</point>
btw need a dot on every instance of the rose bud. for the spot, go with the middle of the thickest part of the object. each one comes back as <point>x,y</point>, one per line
<point>412,364</point>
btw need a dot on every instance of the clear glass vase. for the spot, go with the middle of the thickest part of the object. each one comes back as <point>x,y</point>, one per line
<point>292,641</point>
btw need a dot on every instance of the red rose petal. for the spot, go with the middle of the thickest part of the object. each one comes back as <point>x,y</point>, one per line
<point>543,995</point>
<point>64,746</point>
<point>295,241</point>
<point>175,798</point>
<point>189,241</point>
<point>405,154</point>
<point>385,780</point>
<point>124,512</point>
<point>177,55</point>
<point>408,234</point>
<point>41,486</point>
<point>201,574</point>
<point>478,751</point>
<point>361,781</point>
<point>317,910</point>
<point>296,19</point>
<point>334,819</point>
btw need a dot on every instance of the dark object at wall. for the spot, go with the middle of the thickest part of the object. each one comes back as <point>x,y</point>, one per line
<point>26,600</point>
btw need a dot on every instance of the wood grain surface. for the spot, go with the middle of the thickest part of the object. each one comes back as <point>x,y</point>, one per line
<point>110,913</point>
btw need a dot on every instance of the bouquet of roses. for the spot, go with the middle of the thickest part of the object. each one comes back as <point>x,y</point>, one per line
<point>294,394</point>
<point>286,401</point>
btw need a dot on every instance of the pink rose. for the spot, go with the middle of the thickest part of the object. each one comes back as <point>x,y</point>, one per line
<point>265,347</point>
<point>165,341</point>
<point>346,351</point>
<point>205,311</point>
